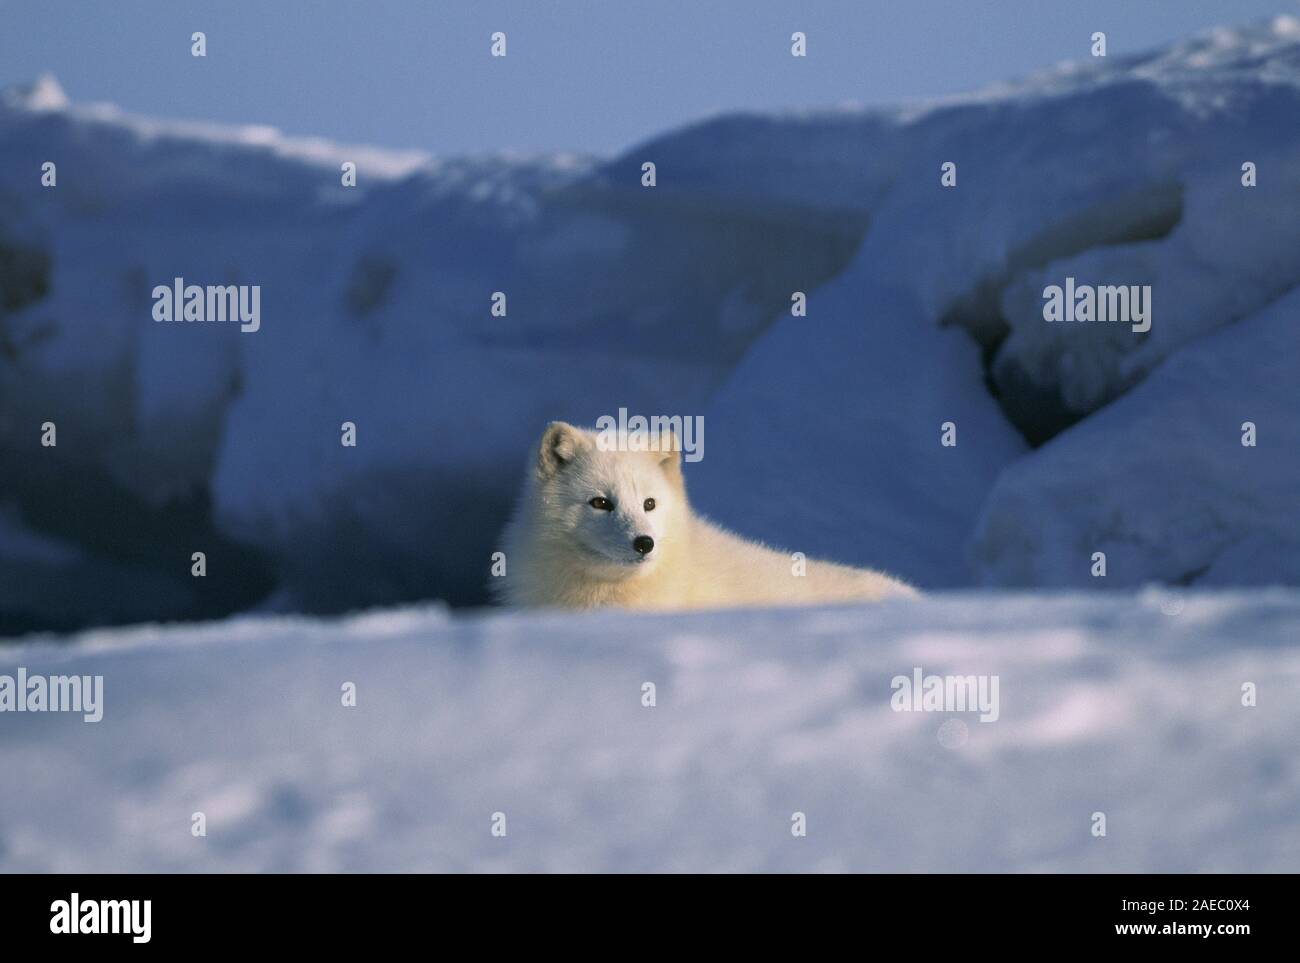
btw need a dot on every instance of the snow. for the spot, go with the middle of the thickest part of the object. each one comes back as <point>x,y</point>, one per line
<point>1124,704</point>
<point>44,93</point>
<point>1127,172</point>
<point>1160,480</point>
<point>47,95</point>
<point>822,436</point>
<point>843,441</point>
<point>823,431</point>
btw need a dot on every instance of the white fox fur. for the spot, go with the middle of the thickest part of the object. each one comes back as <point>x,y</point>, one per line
<point>560,551</point>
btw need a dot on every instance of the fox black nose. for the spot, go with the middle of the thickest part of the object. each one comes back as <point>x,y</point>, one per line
<point>642,544</point>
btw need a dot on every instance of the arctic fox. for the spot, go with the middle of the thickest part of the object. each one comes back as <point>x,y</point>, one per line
<point>614,528</point>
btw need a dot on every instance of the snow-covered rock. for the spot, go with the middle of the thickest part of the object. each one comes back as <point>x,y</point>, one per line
<point>1127,170</point>
<point>1160,480</point>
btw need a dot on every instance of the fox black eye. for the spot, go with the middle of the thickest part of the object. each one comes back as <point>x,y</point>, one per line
<point>649,504</point>
<point>602,504</point>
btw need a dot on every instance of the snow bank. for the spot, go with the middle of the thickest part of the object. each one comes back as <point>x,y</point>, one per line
<point>1124,171</point>
<point>1126,705</point>
<point>827,437</point>
<point>1160,480</point>
<point>1128,171</point>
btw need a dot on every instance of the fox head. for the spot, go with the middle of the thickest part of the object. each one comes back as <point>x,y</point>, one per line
<point>610,510</point>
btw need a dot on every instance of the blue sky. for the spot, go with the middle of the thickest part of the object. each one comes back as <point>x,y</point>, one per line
<point>588,75</point>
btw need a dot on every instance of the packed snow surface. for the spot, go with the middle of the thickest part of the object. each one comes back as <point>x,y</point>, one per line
<point>1126,705</point>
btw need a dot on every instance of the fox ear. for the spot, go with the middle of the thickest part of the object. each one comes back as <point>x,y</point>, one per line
<point>670,453</point>
<point>560,443</point>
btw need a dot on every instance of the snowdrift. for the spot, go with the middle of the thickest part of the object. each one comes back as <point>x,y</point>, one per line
<point>1130,706</point>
